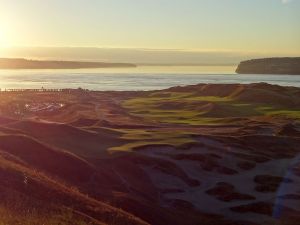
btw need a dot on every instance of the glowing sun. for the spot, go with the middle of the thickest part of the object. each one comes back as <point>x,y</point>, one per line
<point>4,41</point>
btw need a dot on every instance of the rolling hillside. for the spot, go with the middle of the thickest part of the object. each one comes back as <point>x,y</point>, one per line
<point>203,154</point>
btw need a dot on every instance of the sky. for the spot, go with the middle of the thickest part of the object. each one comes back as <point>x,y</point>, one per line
<point>232,28</point>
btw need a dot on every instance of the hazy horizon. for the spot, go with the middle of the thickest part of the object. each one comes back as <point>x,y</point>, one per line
<point>137,56</point>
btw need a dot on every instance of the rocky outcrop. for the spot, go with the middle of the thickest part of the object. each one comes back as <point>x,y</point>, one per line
<point>290,66</point>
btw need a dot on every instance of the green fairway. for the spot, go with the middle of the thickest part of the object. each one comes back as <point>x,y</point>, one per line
<point>187,108</point>
<point>140,138</point>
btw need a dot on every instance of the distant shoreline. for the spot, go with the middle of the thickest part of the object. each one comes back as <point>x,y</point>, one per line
<point>279,66</point>
<point>20,63</point>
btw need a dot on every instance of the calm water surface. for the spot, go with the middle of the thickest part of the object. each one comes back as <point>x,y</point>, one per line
<point>141,78</point>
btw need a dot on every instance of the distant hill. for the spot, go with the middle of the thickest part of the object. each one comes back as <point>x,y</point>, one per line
<point>289,66</point>
<point>16,63</point>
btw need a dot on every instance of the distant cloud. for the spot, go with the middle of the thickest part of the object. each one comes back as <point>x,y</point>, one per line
<point>286,1</point>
